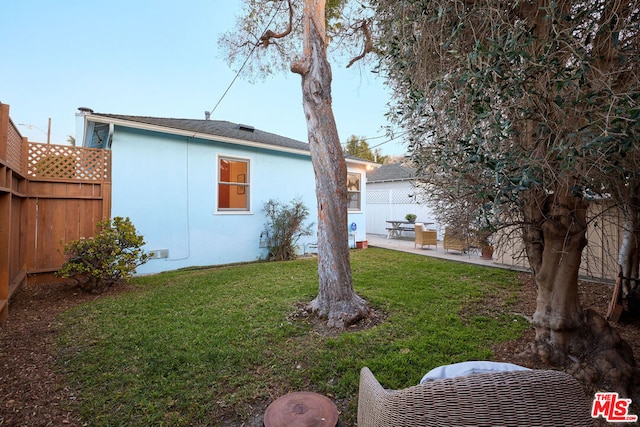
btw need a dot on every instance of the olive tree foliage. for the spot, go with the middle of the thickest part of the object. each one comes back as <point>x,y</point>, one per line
<point>528,110</point>
<point>295,33</point>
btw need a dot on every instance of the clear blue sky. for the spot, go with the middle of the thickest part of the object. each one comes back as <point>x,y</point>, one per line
<point>155,58</point>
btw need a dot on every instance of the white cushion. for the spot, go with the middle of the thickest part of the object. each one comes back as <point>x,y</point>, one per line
<point>469,368</point>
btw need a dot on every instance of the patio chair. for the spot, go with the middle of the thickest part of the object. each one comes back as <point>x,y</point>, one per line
<point>453,242</point>
<point>425,237</point>
<point>511,398</point>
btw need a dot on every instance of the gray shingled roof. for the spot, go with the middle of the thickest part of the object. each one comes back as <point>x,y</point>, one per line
<point>391,172</point>
<point>216,128</point>
<point>221,128</point>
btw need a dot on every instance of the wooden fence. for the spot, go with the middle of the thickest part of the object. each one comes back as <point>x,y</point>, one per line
<point>49,194</point>
<point>599,257</point>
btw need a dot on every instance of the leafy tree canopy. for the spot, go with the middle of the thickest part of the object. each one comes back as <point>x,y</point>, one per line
<point>506,97</point>
<point>359,147</point>
<point>525,111</point>
<point>272,23</point>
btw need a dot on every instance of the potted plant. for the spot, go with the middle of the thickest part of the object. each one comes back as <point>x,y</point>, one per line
<point>487,252</point>
<point>486,248</point>
<point>411,217</point>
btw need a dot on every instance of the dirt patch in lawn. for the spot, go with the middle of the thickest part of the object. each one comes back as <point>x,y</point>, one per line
<point>34,394</point>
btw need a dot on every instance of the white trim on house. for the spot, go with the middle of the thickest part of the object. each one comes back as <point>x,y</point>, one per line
<point>199,135</point>
<point>206,136</point>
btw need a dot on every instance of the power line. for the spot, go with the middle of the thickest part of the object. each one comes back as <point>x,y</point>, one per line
<point>246,60</point>
<point>377,145</point>
<point>374,137</point>
<point>390,139</point>
<point>381,136</point>
<point>364,138</point>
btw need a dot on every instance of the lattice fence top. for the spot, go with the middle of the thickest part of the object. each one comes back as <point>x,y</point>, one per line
<point>386,197</point>
<point>14,148</point>
<point>380,197</point>
<point>68,163</point>
<point>402,197</point>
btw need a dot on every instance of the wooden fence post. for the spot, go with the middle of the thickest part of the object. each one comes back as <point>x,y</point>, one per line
<point>5,214</point>
<point>4,131</point>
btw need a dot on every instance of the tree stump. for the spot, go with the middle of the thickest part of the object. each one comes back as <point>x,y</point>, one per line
<point>301,409</point>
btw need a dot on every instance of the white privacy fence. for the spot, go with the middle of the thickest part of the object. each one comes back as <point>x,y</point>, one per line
<point>393,204</point>
<point>393,200</point>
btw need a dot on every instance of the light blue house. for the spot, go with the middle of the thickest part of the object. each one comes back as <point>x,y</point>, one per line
<point>195,189</point>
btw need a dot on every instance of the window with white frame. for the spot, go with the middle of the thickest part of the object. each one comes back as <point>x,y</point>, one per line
<point>353,191</point>
<point>233,184</point>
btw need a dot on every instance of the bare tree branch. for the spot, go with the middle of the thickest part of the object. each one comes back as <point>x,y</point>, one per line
<point>267,38</point>
<point>368,41</point>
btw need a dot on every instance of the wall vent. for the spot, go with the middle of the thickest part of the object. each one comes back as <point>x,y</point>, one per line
<point>158,253</point>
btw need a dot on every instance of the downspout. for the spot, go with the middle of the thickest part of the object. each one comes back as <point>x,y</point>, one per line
<point>82,124</point>
<point>109,140</point>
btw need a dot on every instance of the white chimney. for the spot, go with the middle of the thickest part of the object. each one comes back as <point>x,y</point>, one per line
<point>82,111</point>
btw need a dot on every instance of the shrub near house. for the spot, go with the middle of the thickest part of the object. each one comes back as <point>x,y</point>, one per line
<point>111,256</point>
<point>284,228</point>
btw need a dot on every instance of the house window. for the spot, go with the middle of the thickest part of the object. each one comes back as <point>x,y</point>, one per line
<point>233,184</point>
<point>353,192</point>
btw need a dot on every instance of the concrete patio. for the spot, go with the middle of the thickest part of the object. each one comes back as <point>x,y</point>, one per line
<point>406,244</point>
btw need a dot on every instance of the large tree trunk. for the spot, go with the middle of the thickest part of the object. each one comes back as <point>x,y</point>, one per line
<point>583,341</point>
<point>336,300</point>
<point>554,232</point>
<point>558,314</point>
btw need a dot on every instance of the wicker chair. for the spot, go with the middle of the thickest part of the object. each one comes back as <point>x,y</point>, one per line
<point>514,398</point>
<point>452,242</point>
<point>425,237</point>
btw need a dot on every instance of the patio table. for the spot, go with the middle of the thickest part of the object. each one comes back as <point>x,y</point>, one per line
<point>396,227</point>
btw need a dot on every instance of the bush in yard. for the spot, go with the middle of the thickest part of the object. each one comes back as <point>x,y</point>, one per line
<point>284,227</point>
<point>109,257</point>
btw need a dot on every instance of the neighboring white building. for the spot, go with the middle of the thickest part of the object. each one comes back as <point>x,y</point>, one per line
<point>195,189</point>
<point>391,195</point>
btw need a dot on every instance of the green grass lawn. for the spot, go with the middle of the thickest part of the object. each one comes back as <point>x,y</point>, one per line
<point>209,346</point>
